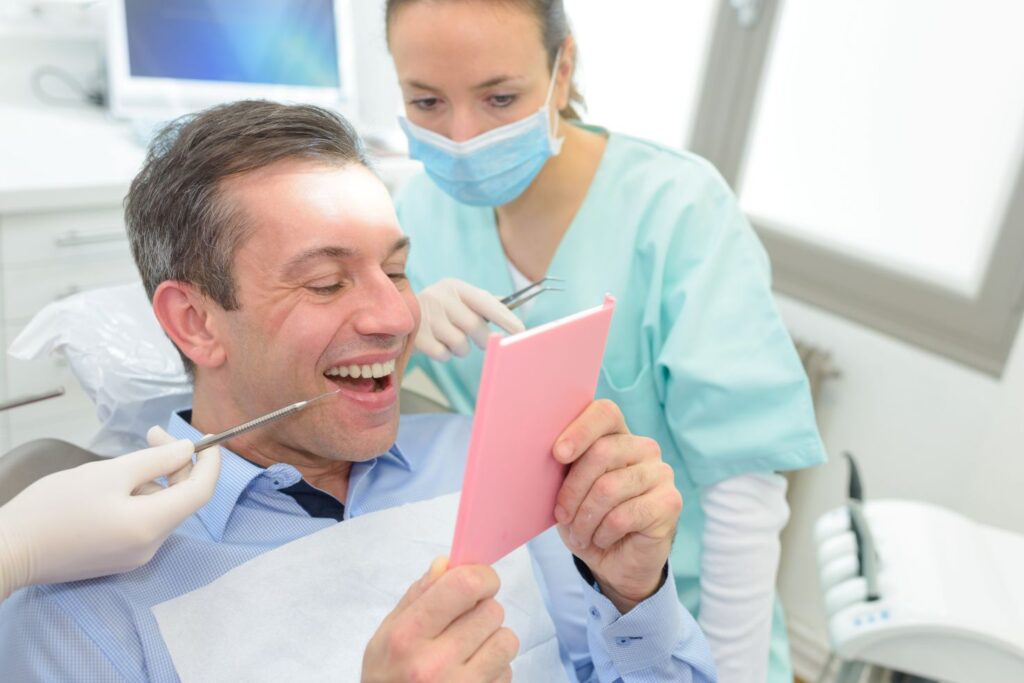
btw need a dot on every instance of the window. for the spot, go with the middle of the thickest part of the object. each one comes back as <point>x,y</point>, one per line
<point>878,149</point>
<point>640,64</point>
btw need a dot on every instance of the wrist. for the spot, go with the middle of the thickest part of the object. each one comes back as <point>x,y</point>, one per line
<point>14,566</point>
<point>624,597</point>
<point>628,597</point>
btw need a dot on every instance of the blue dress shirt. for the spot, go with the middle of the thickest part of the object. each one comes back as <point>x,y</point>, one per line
<point>103,629</point>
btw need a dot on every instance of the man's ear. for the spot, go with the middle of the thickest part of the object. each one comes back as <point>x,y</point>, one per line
<point>185,315</point>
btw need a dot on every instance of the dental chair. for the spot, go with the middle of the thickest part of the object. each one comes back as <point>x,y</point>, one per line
<point>916,588</point>
<point>129,369</point>
<point>34,460</point>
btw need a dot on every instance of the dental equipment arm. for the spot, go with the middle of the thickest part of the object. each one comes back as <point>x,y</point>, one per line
<point>102,517</point>
<point>19,401</point>
<point>453,312</point>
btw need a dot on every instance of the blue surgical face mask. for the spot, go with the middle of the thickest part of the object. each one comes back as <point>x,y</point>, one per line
<point>494,167</point>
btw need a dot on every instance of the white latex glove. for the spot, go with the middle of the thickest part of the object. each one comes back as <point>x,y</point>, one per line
<point>102,517</point>
<point>453,312</point>
<point>743,518</point>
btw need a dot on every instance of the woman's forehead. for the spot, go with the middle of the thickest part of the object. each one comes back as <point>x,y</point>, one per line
<point>473,36</point>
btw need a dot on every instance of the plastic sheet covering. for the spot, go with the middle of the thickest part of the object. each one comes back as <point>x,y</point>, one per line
<point>119,354</point>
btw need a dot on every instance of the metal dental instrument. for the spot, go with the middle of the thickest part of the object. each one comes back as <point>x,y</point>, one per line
<point>19,401</point>
<point>518,298</point>
<point>215,439</point>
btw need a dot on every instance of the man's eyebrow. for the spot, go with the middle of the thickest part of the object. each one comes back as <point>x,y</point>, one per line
<point>296,263</point>
<point>399,245</point>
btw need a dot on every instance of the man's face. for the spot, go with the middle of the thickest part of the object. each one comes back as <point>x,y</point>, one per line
<point>321,283</point>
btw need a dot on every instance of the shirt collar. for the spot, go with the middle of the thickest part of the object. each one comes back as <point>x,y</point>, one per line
<point>236,473</point>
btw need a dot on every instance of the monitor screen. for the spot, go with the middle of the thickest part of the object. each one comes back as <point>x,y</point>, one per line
<point>250,41</point>
<point>169,57</point>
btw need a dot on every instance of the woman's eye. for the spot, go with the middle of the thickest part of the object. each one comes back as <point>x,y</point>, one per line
<point>398,277</point>
<point>425,103</point>
<point>502,100</point>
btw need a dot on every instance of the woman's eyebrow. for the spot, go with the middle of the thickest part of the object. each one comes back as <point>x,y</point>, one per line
<point>420,86</point>
<point>489,83</point>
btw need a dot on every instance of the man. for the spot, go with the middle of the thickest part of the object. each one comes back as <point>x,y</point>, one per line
<point>275,263</point>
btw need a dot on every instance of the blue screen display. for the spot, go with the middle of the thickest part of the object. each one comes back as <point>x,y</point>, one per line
<point>277,42</point>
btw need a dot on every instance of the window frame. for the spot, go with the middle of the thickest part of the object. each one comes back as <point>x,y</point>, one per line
<point>978,330</point>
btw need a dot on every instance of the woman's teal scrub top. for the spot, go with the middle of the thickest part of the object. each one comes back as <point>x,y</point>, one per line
<point>697,357</point>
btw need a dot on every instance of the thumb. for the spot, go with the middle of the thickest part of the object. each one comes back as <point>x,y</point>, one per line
<point>437,568</point>
<point>157,436</point>
<point>157,461</point>
<point>181,499</point>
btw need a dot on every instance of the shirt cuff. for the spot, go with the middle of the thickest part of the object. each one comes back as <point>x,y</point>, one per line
<point>648,635</point>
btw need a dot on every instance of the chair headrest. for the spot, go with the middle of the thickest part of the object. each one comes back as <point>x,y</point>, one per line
<point>119,354</point>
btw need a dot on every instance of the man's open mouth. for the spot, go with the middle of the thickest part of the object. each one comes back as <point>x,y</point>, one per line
<point>363,378</point>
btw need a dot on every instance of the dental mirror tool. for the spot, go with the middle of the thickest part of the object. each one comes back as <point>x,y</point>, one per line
<point>215,439</point>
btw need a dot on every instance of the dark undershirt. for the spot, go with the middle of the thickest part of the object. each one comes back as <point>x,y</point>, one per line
<point>315,502</point>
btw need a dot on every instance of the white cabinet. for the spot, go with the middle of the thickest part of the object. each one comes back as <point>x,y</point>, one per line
<point>46,255</point>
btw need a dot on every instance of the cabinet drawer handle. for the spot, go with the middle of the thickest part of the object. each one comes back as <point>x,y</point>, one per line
<point>77,239</point>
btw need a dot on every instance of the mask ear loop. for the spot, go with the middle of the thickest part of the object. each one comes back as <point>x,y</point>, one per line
<point>556,142</point>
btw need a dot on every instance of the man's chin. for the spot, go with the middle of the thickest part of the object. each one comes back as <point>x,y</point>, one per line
<point>365,442</point>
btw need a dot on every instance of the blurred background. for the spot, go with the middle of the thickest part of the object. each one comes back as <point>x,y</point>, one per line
<point>877,147</point>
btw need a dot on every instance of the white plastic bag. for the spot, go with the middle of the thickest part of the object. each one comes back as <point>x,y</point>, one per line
<point>121,357</point>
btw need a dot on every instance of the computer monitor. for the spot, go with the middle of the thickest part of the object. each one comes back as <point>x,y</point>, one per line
<point>170,57</point>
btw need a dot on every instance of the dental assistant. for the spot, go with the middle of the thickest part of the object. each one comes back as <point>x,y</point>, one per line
<point>516,188</point>
<point>103,517</point>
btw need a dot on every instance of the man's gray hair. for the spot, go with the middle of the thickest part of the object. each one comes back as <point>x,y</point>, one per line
<point>179,226</point>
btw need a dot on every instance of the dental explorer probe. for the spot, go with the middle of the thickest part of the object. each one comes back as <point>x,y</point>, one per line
<point>215,439</point>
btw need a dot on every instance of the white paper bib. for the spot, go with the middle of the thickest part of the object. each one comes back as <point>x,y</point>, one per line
<point>305,611</point>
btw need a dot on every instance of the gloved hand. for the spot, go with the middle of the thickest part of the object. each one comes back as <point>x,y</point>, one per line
<point>453,312</point>
<point>102,517</point>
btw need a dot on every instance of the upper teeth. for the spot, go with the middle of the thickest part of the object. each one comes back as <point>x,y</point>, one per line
<point>375,370</point>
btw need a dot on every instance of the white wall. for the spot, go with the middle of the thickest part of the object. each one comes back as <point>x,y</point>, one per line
<point>376,82</point>
<point>921,427</point>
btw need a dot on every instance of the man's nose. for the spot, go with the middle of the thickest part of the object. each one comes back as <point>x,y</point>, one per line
<point>384,310</point>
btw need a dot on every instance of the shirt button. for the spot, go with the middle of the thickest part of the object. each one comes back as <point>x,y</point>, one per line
<point>622,641</point>
<point>594,613</point>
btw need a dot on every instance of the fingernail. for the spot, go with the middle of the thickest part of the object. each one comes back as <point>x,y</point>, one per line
<point>563,451</point>
<point>438,566</point>
<point>561,514</point>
